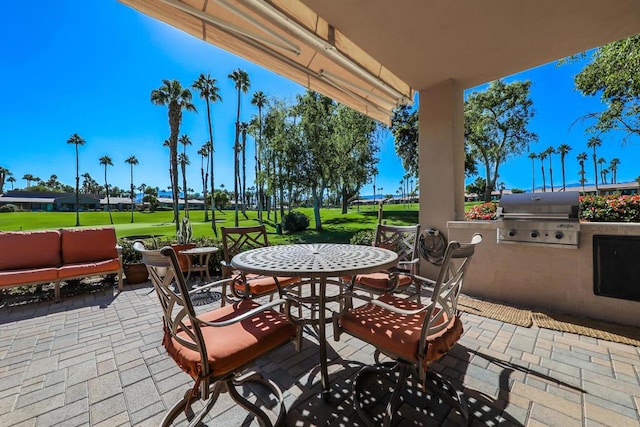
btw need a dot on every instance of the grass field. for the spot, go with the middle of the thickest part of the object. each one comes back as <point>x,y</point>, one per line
<point>337,227</point>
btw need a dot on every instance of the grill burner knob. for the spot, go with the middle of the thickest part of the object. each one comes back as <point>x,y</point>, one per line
<point>534,234</point>
<point>559,235</point>
<point>512,233</point>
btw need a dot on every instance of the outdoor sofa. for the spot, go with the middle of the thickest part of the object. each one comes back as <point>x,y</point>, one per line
<point>53,256</point>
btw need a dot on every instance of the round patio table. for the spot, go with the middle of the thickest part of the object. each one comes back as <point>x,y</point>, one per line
<point>316,262</point>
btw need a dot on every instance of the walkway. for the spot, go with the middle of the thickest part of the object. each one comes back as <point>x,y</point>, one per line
<point>97,360</point>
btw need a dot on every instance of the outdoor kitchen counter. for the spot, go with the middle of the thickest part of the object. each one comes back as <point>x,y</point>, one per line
<point>555,279</point>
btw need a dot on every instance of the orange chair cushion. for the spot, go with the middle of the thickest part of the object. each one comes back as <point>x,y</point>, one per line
<point>378,280</point>
<point>88,245</point>
<point>35,249</point>
<point>234,346</point>
<point>260,285</point>
<point>34,275</point>
<point>88,268</point>
<point>398,334</point>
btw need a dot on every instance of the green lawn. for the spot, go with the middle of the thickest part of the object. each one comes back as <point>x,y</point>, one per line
<point>336,226</point>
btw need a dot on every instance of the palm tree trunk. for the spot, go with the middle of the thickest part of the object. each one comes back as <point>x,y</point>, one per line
<point>77,188</point>
<point>106,186</point>
<point>213,203</point>
<point>132,201</point>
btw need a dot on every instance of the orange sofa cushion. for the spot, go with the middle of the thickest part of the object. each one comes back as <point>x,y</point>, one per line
<point>34,275</point>
<point>88,245</point>
<point>400,334</point>
<point>230,347</point>
<point>88,268</point>
<point>34,249</point>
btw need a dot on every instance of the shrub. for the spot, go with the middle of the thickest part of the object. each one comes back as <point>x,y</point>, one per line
<point>482,212</point>
<point>364,238</point>
<point>295,221</point>
<point>610,208</point>
<point>8,208</point>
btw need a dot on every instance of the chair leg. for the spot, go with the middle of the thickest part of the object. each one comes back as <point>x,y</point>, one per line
<point>261,416</point>
<point>440,387</point>
<point>449,394</point>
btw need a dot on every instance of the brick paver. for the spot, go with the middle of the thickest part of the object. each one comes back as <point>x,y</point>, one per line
<point>97,360</point>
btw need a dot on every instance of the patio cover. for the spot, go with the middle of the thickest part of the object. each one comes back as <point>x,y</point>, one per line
<point>290,39</point>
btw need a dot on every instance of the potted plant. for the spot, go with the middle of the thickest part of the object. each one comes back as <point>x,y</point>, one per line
<point>134,269</point>
<point>183,237</point>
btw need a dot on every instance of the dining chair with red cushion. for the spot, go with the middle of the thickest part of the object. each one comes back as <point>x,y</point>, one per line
<point>239,239</point>
<point>411,334</point>
<point>402,239</point>
<point>218,347</point>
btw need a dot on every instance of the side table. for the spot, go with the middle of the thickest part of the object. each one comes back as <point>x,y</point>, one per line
<point>202,264</point>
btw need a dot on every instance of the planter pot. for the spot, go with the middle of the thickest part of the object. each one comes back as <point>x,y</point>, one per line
<point>136,273</point>
<point>182,259</point>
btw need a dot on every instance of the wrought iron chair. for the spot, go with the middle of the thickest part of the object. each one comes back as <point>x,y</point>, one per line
<point>218,347</point>
<point>239,239</point>
<point>413,335</point>
<point>404,241</point>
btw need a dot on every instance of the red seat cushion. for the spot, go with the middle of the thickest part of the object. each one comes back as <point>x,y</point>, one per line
<point>260,285</point>
<point>88,245</point>
<point>378,280</point>
<point>34,275</point>
<point>88,268</point>
<point>233,346</point>
<point>398,334</point>
<point>34,249</point>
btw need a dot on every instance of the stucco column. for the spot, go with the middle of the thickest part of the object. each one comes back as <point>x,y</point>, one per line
<point>441,151</point>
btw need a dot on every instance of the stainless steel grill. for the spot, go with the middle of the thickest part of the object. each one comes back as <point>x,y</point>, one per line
<point>541,219</point>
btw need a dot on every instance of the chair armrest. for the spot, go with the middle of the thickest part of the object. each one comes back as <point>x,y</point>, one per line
<point>397,310</point>
<point>210,285</point>
<point>244,316</point>
<point>425,280</point>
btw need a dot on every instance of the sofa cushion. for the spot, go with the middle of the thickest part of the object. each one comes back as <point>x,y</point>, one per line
<point>85,269</point>
<point>88,245</point>
<point>29,249</point>
<point>34,275</point>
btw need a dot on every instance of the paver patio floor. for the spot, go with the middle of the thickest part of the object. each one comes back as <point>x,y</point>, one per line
<point>98,360</point>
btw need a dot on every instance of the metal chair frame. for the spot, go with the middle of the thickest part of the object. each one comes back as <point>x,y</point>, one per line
<point>234,241</point>
<point>402,239</point>
<point>180,315</point>
<point>442,305</point>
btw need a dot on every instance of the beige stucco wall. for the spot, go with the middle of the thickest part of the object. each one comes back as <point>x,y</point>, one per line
<point>555,279</point>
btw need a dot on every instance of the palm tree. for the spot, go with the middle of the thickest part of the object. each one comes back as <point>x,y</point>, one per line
<point>259,100</point>
<point>184,140</point>
<point>244,126</point>
<point>204,173</point>
<point>11,179</point>
<point>601,161</point>
<point>4,173</point>
<point>209,91</point>
<point>177,98</point>
<point>605,173</point>
<point>542,156</point>
<point>106,161</point>
<point>132,161</point>
<point>595,142</point>
<point>242,84</point>
<point>613,166</point>
<point>563,150</point>
<point>581,159</point>
<point>533,156</point>
<point>550,151</point>
<point>28,177</point>
<point>183,159</point>
<point>76,140</point>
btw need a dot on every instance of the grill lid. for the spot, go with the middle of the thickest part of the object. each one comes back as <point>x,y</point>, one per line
<point>561,205</point>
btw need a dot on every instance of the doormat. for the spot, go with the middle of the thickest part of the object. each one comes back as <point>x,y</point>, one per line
<point>492,310</point>
<point>588,327</point>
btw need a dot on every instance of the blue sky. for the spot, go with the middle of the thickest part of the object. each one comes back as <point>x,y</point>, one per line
<point>73,66</point>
